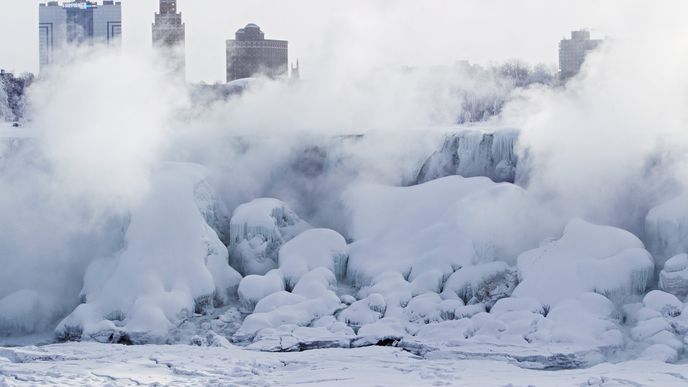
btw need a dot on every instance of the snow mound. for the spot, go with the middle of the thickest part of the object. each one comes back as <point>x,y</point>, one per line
<point>587,258</point>
<point>440,226</point>
<point>257,230</point>
<point>312,249</point>
<point>674,277</point>
<point>172,265</point>
<point>666,228</point>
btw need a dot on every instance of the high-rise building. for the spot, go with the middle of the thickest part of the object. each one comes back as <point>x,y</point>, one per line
<point>169,35</point>
<point>251,54</point>
<point>572,52</point>
<point>76,23</point>
<point>296,71</point>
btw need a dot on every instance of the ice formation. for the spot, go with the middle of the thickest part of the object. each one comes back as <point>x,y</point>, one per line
<point>471,153</point>
<point>674,277</point>
<point>587,258</point>
<point>172,264</point>
<point>257,231</point>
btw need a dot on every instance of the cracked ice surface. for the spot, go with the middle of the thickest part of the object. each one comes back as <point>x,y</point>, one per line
<point>77,364</point>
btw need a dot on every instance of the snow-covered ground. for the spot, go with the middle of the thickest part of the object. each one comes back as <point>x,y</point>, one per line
<point>81,364</point>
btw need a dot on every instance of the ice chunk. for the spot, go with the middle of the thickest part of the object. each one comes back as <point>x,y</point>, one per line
<point>257,231</point>
<point>587,258</point>
<point>312,249</point>
<point>674,277</point>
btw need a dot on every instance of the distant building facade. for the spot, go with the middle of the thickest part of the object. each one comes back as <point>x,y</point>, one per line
<point>169,35</point>
<point>296,71</point>
<point>572,52</point>
<point>250,54</point>
<point>77,23</point>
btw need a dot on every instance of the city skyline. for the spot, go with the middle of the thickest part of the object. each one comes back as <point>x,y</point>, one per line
<point>334,32</point>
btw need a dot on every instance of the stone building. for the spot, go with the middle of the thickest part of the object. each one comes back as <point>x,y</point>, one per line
<point>250,54</point>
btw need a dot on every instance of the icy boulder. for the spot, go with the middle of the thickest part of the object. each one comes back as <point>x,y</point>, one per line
<point>661,325</point>
<point>301,314</point>
<point>666,227</point>
<point>587,258</point>
<point>172,265</point>
<point>254,288</point>
<point>440,226</point>
<point>484,283</point>
<point>313,249</point>
<point>473,153</point>
<point>674,277</point>
<point>257,231</point>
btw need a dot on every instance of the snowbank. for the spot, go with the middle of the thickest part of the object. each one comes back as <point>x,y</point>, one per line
<point>587,258</point>
<point>257,231</point>
<point>173,264</point>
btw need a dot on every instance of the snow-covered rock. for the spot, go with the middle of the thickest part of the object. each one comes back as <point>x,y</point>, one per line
<point>173,264</point>
<point>312,249</point>
<point>666,229</point>
<point>674,277</point>
<point>587,258</point>
<point>257,230</point>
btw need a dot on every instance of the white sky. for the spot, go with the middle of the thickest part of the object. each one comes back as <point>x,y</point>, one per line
<point>353,32</point>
